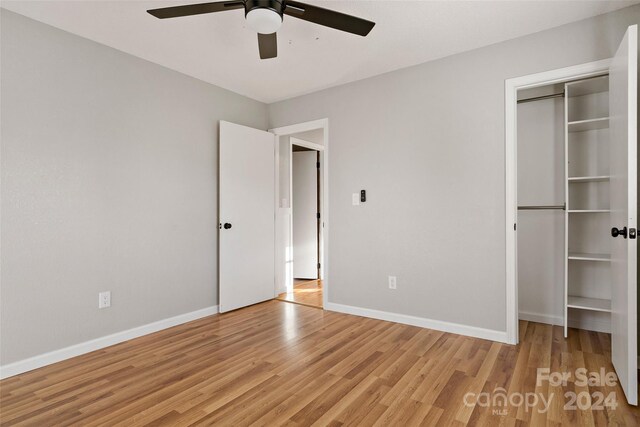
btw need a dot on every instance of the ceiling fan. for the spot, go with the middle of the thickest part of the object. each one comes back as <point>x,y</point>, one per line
<point>265,17</point>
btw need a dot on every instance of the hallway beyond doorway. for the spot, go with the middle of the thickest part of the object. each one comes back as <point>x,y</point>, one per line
<point>305,292</point>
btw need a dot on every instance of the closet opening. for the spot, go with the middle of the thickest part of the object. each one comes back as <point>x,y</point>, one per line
<point>571,206</point>
<point>564,268</point>
<point>563,244</point>
<point>557,199</point>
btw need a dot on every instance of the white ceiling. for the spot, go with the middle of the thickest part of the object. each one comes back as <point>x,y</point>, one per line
<point>219,49</point>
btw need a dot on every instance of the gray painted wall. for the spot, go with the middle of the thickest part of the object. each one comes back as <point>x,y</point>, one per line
<point>109,182</point>
<point>427,143</point>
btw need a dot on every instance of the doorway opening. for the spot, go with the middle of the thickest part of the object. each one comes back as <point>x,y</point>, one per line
<point>301,220</point>
<point>306,226</point>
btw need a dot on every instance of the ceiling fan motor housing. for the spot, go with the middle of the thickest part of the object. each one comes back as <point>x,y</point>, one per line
<point>274,5</point>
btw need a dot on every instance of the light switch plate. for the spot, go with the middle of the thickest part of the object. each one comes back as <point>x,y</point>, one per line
<point>355,199</point>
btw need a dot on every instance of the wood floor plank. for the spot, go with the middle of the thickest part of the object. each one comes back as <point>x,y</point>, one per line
<point>284,364</point>
<point>365,404</point>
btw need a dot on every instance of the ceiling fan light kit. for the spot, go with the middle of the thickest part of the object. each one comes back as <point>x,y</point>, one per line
<point>266,16</point>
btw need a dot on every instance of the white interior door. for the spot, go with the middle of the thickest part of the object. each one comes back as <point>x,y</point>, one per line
<point>304,211</point>
<point>623,81</point>
<point>247,216</point>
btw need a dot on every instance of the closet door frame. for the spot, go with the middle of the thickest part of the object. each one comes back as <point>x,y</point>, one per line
<point>511,171</point>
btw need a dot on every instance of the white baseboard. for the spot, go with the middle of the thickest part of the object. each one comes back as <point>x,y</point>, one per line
<point>454,328</point>
<point>559,321</point>
<point>41,360</point>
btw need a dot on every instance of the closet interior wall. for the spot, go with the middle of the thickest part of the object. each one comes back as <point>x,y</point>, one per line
<point>541,184</point>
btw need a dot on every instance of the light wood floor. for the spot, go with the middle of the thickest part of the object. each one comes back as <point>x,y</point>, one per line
<point>277,363</point>
<point>305,292</point>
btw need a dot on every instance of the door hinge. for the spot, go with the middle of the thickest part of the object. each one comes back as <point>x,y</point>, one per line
<point>318,165</point>
<point>318,215</point>
<point>514,227</point>
<point>318,265</point>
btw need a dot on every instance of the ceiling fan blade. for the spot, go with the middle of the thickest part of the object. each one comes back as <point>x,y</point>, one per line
<point>196,9</point>
<point>268,45</point>
<point>328,18</point>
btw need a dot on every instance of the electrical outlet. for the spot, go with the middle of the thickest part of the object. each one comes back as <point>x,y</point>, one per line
<point>392,282</point>
<point>104,299</point>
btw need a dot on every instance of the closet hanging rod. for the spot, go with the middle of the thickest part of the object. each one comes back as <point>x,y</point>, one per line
<point>539,98</point>
<point>542,207</point>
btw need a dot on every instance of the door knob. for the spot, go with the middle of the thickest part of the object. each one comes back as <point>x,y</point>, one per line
<point>228,226</point>
<point>615,232</point>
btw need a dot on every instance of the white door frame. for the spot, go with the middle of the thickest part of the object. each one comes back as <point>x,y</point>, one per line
<point>511,172</point>
<point>324,187</point>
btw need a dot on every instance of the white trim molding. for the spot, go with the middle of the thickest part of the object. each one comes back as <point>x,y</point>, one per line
<point>306,144</point>
<point>511,87</point>
<point>422,322</point>
<point>588,325</point>
<point>302,127</point>
<point>45,359</point>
